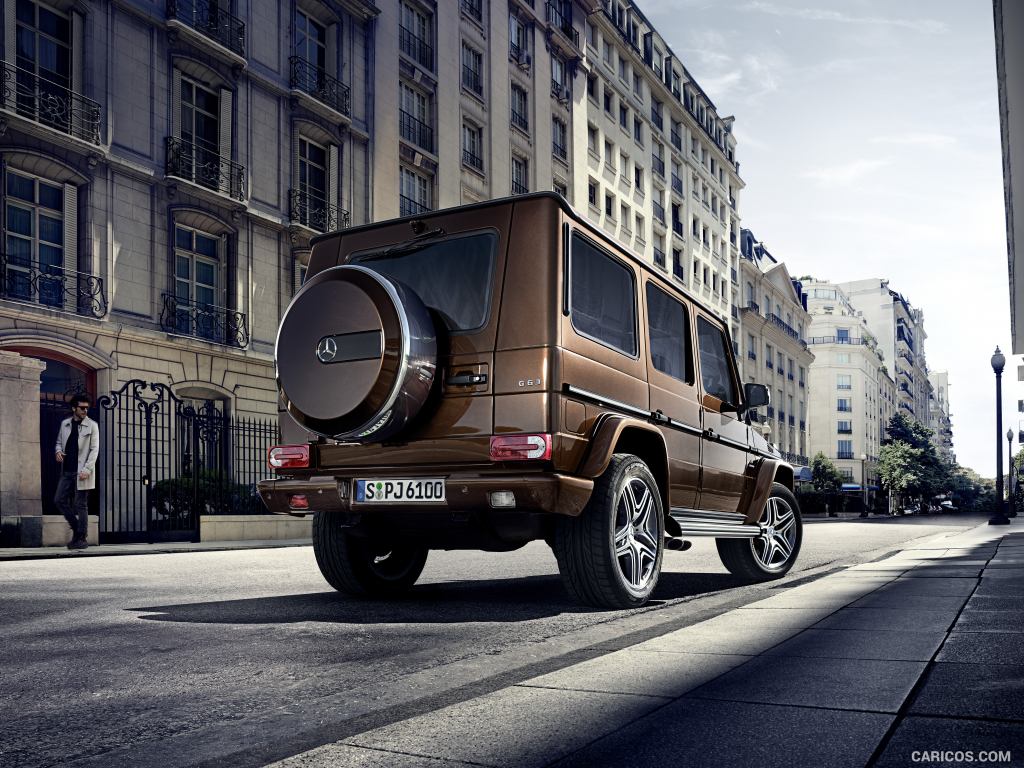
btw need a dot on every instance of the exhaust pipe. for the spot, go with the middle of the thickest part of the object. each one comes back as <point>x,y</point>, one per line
<point>677,545</point>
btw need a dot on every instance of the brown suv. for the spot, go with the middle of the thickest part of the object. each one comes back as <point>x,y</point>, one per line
<point>483,376</point>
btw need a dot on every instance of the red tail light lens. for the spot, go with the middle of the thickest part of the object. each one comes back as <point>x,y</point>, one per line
<point>520,447</point>
<point>298,501</point>
<point>288,456</point>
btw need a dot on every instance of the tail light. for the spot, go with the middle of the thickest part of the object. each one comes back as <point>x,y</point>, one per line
<point>298,501</point>
<point>288,456</point>
<point>520,447</point>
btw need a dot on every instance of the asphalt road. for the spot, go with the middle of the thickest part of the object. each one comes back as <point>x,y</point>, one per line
<point>245,657</point>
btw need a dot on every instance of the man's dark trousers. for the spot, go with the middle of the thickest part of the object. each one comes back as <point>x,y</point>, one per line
<point>73,504</point>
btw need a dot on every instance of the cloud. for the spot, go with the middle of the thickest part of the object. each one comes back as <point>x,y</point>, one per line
<point>844,174</point>
<point>931,140</point>
<point>926,26</point>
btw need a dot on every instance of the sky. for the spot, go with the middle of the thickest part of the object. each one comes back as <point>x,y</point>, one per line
<point>868,139</point>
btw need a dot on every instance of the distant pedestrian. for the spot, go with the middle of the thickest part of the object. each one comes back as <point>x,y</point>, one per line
<point>78,447</point>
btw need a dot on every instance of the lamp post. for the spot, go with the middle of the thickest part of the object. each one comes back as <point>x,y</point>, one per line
<point>1011,474</point>
<point>864,484</point>
<point>998,362</point>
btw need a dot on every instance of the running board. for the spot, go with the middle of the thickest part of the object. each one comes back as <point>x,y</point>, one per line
<point>720,525</point>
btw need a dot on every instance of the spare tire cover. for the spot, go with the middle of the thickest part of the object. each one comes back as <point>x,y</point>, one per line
<point>356,355</point>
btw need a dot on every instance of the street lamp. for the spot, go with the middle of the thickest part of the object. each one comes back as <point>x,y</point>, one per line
<point>1011,506</point>
<point>864,483</point>
<point>998,362</point>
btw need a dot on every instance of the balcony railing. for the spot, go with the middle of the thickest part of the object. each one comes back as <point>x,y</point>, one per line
<point>735,280</point>
<point>472,80</point>
<point>208,18</point>
<point>323,87</point>
<point>205,167</point>
<point>316,213</point>
<point>52,286</point>
<point>677,185</point>
<point>844,454</point>
<point>842,431</point>
<point>518,188</point>
<point>659,256</point>
<point>520,120</point>
<point>659,212</point>
<point>657,118</point>
<point>677,227</point>
<point>752,354</point>
<point>844,408</point>
<point>752,306</point>
<point>779,322</point>
<point>472,159</point>
<point>677,270</point>
<point>801,383</point>
<point>803,426</point>
<point>658,164</point>
<point>735,312</point>
<point>204,321</point>
<point>561,22</point>
<point>676,139</point>
<point>769,364</point>
<point>414,130</point>
<point>559,150</point>
<point>836,340</point>
<point>416,48</point>
<point>409,207</point>
<point>473,9</point>
<point>41,101</point>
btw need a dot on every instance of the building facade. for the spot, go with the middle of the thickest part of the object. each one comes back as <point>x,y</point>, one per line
<point>852,392</point>
<point>772,347</point>
<point>940,420</point>
<point>899,328</point>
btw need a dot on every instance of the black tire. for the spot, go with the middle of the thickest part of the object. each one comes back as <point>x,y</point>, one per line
<point>747,558</point>
<point>363,566</point>
<point>585,546</point>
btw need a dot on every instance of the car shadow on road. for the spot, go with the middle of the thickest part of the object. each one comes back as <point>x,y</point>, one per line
<point>493,600</point>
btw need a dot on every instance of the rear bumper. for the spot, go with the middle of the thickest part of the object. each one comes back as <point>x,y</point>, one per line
<point>541,492</point>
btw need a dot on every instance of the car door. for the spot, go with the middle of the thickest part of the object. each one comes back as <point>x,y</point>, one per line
<point>673,391</point>
<point>725,437</point>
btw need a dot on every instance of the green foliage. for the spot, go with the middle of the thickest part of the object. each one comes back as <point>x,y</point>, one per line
<point>824,476</point>
<point>212,494</point>
<point>908,463</point>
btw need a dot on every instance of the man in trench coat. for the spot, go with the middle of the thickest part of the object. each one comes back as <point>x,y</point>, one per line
<point>77,448</point>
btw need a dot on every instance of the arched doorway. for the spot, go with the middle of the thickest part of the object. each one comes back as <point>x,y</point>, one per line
<point>63,377</point>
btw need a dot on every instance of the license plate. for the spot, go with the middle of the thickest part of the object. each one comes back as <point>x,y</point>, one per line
<point>398,490</point>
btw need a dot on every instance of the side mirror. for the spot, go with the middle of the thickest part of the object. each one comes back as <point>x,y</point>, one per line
<point>756,395</point>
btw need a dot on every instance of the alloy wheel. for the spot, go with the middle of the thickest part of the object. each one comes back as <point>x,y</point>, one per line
<point>773,548</point>
<point>636,534</point>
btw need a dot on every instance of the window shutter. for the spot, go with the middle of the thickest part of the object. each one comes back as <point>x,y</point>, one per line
<point>225,124</point>
<point>71,247</point>
<point>293,212</point>
<point>332,50</point>
<point>333,191</point>
<point>77,68</point>
<point>176,104</point>
<point>10,44</point>
<point>296,273</point>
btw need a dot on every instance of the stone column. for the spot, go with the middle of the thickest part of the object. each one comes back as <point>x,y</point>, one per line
<point>21,509</point>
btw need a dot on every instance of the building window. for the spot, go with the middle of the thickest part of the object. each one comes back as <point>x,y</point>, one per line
<point>844,449</point>
<point>472,70</point>
<point>609,100</point>
<point>312,210</point>
<point>592,87</point>
<point>844,381</point>
<point>559,139</point>
<point>518,49</point>
<point>520,115</point>
<point>415,117</point>
<point>638,177</point>
<point>844,404</point>
<point>520,180</point>
<point>34,225</point>
<point>310,40</point>
<point>844,427</point>
<point>196,270</point>
<point>44,61</point>
<point>472,146</point>
<point>559,78</point>
<point>592,141</point>
<point>609,206</point>
<point>592,193</point>
<point>624,116</point>
<point>609,154</point>
<point>415,33</point>
<point>638,130</point>
<point>415,193</point>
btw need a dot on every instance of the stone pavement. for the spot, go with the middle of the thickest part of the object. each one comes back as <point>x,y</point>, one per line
<point>106,550</point>
<point>914,659</point>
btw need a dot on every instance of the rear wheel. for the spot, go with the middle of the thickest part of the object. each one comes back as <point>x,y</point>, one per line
<point>364,566</point>
<point>610,556</point>
<point>772,554</point>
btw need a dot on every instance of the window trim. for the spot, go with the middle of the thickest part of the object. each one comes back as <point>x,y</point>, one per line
<point>632,278</point>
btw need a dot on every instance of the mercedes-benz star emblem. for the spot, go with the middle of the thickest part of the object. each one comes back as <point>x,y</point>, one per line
<point>327,349</point>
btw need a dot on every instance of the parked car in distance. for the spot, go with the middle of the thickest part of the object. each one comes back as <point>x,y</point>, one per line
<point>484,376</point>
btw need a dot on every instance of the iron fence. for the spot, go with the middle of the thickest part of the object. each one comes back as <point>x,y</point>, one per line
<point>210,19</point>
<point>320,85</point>
<point>52,286</point>
<point>205,167</point>
<point>51,104</point>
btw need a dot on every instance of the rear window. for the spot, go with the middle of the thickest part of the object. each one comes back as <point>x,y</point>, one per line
<point>603,299</point>
<point>452,277</point>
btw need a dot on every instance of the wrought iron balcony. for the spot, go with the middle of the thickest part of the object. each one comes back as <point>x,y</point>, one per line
<point>416,131</point>
<point>472,159</point>
<point>205,167</point>
<point>677,227</point>
<point>519,120</point>
<point>659,256</point>
<point>409,207</point>
<point>211,20</point>
<point>323,87</point>
<point>845,431</point>
<point>735,312</point>
<point>316,213</point>
<point>676,139</point>
<point>472,80</point>
<point>54,106</point>
<point>563,23</point>
<point>677,185</point>
<point>836,340</point>
<point>416,48</point>
<point>559,151</point>
<point>844,454</point>
<point>752,354</point>
<point>752,306</point>
<point>204,321</point>
<point>657,118</point>
<point>518,188</point>
<point>52,286</point>
<point>473,9</point>
<point>658,164</point>
<point>659,212</point>
<point>779,322</point>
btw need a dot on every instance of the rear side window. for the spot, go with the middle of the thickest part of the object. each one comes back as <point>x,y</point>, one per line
<point>452,276</point>
<point>603,297</point>
<point>715,373</point>
<point>670,335</point>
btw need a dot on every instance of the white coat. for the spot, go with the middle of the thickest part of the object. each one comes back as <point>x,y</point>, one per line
<point>88,448</point>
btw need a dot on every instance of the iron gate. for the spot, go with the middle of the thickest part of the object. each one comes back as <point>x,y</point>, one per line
<point>166,460</point>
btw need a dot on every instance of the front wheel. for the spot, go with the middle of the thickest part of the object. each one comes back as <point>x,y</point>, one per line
<point>771,554</point>
<point>364,566</point>
<point>610,555</point>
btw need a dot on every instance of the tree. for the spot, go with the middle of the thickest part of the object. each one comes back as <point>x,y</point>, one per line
<point>898,468</point>
<point>824,475</point>
<point>926,474</point>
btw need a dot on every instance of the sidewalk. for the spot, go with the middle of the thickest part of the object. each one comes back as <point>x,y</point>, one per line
<point>106,550</point>
<point>918,658</point>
